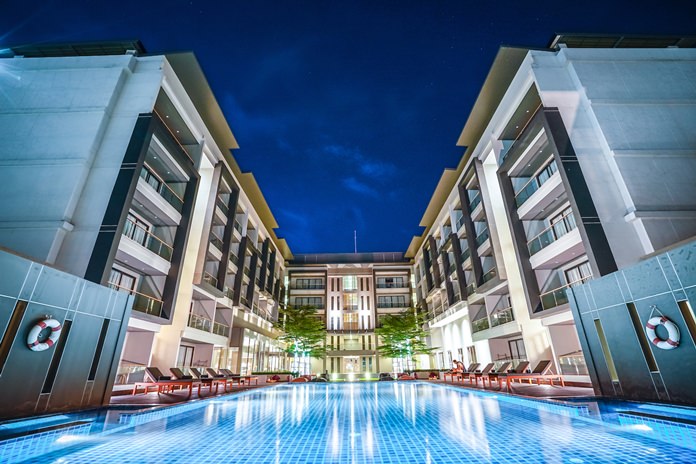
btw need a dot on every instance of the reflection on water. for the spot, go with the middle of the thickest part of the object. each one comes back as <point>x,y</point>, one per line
<point>374,422</point>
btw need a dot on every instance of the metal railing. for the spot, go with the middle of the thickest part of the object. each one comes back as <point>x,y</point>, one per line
<point>558,296</point>
<point>160,186</point>
<point>479,325</point>
<point>297,286</point>
<point>142,236</point>
<point>482,237</point>
<point>200,322</point>
<point>535,182</point>
<point>502,316</point>
<point>552,233</point>
<point>142,303</point>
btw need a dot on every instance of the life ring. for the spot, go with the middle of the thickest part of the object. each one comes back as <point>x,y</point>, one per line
<point>33,338</point>
<point>672,329</point>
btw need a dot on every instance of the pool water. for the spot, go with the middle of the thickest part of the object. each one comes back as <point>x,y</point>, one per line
<point>380,422</point>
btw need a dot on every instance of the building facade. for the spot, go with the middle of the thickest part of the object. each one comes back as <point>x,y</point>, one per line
<point>579,161</point>
<point>135,188</point>
<point>350,292</point>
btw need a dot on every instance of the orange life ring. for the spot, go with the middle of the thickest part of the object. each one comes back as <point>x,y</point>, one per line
<point>672,340</point>
<point>33,337</point>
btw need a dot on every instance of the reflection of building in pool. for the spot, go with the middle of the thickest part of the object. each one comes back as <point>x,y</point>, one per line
<point>350,292</point>
<point>566,176</point>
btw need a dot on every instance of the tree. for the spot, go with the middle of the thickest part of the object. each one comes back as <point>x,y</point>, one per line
<point>402,336</point>
<point>304,334</point>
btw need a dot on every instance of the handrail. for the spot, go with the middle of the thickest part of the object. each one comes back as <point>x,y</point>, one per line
<point>488,275</point>
<point>153,173</point>
<point>558,298</point>
<point>474,202</point>
<point>553,230</point>
<point>153,305</point>
<point>221,204</point>
<point>536,178</point>
<point>130,233</point>
<point>212,280</point>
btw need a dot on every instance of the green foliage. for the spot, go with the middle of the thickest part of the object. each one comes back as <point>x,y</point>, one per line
<point>402,336</point>
<point>303,331</point>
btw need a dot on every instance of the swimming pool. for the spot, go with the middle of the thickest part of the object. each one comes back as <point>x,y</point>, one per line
<point>381,422</point>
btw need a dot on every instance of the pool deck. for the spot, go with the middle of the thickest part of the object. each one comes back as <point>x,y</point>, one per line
<point>181,396</point>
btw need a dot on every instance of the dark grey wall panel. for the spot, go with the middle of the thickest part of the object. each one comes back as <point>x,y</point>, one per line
<point>654,287</point>
<point>52,293</point>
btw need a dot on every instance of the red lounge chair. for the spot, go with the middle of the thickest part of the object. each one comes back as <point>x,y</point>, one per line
<point>476,375</point>
<point>163,383</point>
<point>540,372</point>
<point>495,376</point>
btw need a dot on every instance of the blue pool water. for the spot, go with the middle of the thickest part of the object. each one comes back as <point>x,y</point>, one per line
<point>385,422</point>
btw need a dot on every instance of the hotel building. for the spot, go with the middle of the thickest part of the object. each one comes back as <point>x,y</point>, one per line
<point>350,292</point>
<point>579,160</point>
<point>117,167</point>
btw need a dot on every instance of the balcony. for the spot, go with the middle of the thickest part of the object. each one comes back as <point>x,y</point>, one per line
<point>479,325</point>
<point>552,233</point>
<point>350,307</point>
<point>502,316</point>
<point>482,237</point>
<point>237,226</point>
<point>143,250</point>
<point>392,285</point>
<point>161,187</point>
<point>558,297</point>
<point>474,202</point>
<point>392,304</point>
<point>466,254</point>
<point>471,288</point>
<point>221,329</point>
<point>535,183</point>
<point>460,223</point>
<point>142,303</point>
<point>489,275</point>
<point>222,204</point>
<point>199,322</point>
<point>208,278</point>
<point>308,286</point>
<point>216,242</point>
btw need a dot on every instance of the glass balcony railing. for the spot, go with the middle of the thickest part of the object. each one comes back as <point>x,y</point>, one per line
<point>142,303</point>
<point>479,325</point>
<point>308,286</point>
<point>142,236</point>
<point>573,364</point>
<point>391,304</point>
<point>552,233</point>
<point>397,284</point>
<point>460,222</point>
<point>215,240</point>
<point>502,316</point>
<point>489,275</point>
<point>199,322</point>
<point>482,237</point>
<point>229,293</point>
<point>473,203</point>
<point>244,301</point>
<point>222,204</point>
<point>534,183</point>
<point>221,329</point>
<point>471,288</point>
<point>161,187</point>
<point>466,254</point>
<point>238,226</point>
<point>558,296</point>
<point>247,272</point>
<point>210,279</point>
<point>233,258</point>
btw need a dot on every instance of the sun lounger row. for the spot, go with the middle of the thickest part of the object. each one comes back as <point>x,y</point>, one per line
<point>166,384</point>
<point>487,374</point>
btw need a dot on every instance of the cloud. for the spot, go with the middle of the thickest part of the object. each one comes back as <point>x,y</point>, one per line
<point>351,183</point>
<point>365,165</point>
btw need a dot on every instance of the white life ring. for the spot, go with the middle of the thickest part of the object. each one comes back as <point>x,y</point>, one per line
<point>672,329</point>
<point>33,337</point>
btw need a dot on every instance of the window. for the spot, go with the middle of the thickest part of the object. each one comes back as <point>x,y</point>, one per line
<point>333,281</point>
<point>579,273</point>
<point>460,353</point>
<point>362,284</point>
<point>471,351</point>
<point>121,280</point>
<point>350,301</point>
<point>313,301</point>
<point>136,229</point>
<point>185,357</point>
<point>391,301</point>
<point>563,222</point>
<point>350,283</point>
<point>350,321</point>
<point>309,284</point>
<point>391,282</point>
<point>517,351</point>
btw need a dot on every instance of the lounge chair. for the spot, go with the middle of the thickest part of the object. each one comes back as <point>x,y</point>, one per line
<point>197,382</point>
<point>163,383</point>
<point>208,381</point>
<point>540,372</point>
<point>385,376</point>
<point>494,376</point>
<point>470,370</point>
<point>476,375</point>
<point>240,378</point>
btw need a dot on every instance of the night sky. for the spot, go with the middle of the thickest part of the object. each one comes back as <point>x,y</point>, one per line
<point>346,112</point>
